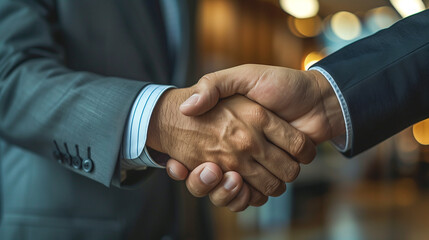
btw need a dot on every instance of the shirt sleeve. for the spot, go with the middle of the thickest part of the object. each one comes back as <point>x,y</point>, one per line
<point>343,142</point>
<point>135,155</point>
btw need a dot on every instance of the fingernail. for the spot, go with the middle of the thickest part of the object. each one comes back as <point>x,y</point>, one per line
<point>172,173</point>
<point>208,176</point>
<point>192,100</point>
<point>229,184</point>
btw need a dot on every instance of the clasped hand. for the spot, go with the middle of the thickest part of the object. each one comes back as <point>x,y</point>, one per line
<point>240,136</point>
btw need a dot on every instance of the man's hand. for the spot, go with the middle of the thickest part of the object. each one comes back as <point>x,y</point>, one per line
<point>238,135</point>
<point>305,98</point>
<point>225,190</point>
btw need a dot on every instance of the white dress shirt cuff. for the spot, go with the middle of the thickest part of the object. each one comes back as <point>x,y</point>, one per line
<point>135,154</point>
<point>342,143</point>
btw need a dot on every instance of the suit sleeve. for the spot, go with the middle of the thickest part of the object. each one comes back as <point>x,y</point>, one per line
<point>42,101</point>
<point>385,80</point>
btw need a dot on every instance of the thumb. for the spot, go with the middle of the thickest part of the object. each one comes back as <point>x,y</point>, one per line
<point>205,97</point>
<point>221,84</point>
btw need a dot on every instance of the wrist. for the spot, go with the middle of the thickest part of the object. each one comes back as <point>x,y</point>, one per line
<point>165,115</point>
<point>156,124</point>
<point>331,106</point>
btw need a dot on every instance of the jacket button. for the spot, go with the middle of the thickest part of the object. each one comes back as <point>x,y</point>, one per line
<point>77,162</point>
<point>58,156</point>
<point>87,165</point>
<point>67,159</point>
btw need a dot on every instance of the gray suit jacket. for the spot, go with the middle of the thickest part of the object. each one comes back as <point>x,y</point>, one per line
<point>69,73</point>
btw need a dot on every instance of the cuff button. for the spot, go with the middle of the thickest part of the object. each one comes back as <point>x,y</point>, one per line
<point>67,159</point>
<point>58,156</point>
<point>77,162</point>
<point>87,165</point>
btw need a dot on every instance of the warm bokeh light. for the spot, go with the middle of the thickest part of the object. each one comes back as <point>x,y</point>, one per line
<point>308,27</point>
<point>327,29</point>
<point>381,17</point>
<point>408,7</point>
<point>405,142</point>
<point>311,59</point>
<point>421,132</point>
<point>346,25</point>
<point>217,16</point>
<point>300,8</point>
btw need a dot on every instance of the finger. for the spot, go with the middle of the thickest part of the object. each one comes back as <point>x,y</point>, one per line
<point>241,201</point>
<point>227,189</point>
<point>176,170</point>
<point>278,162</point>
<point>288,138</point>
<point>257,199</point>
<point>203,179</point>
<point>262,180</point>
<point>211,87</point>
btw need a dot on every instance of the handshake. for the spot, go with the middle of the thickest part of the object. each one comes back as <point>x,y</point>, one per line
<point>244,131</point>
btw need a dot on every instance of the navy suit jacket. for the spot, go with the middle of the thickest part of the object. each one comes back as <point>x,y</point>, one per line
<point>385,80</point>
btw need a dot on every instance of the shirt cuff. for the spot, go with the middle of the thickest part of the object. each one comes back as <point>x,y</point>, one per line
<point>343,142</point>
<point>134,154</point>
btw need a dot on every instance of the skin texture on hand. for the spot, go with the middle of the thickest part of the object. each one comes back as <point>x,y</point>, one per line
<point>237,198</point>
<point>305,98</point>
<point>238,135</point>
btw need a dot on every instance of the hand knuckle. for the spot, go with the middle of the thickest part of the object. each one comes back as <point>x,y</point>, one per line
<point>206,78</point>
<point>245,141</point>
<point>259,115</point>
<point>297,144</point>
<point>271,187</point>
<point>248,145</point>
<point>231,164</point>
<point>292,171</point>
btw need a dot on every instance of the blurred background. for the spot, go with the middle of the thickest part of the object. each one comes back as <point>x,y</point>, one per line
<point>380,194</point>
